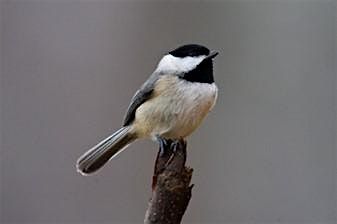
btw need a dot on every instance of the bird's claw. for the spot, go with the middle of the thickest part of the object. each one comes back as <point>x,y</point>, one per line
<point>164,146</point>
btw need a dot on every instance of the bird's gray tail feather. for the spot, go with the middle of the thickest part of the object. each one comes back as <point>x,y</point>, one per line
<point>101,153</point>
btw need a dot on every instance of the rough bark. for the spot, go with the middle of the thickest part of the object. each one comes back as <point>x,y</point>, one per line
<point>171,189</point>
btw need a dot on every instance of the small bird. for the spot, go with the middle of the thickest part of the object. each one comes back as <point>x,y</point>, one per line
<point>170,105</point>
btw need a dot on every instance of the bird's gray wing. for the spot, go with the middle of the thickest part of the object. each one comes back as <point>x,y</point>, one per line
<point>142,95</point>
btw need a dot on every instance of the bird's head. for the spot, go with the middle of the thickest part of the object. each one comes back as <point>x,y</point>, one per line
<point>191,62</point>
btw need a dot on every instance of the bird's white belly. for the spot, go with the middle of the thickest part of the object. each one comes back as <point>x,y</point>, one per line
<point>177,110</point>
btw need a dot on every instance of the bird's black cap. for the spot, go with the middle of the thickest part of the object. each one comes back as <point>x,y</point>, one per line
<point>192,50</point>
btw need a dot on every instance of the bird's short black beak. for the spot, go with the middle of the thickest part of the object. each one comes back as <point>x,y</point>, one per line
<point>212,55</point>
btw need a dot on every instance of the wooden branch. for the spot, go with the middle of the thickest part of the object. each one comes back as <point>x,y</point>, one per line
<point>171,189</point>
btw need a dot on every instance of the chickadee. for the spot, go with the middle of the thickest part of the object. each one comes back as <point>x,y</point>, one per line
<point>170,105</point>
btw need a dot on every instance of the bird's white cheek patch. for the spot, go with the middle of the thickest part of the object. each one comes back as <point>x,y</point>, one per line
<point>176,65</point>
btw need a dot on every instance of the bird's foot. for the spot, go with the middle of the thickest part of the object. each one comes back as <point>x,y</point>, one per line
<point>164,146</point>
<point>178,149</point>
<point>178,145</point>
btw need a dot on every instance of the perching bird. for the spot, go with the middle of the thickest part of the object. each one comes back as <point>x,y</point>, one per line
<point>170,105</point>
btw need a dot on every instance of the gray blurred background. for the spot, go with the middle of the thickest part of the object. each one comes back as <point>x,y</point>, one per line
<point>266,153</point>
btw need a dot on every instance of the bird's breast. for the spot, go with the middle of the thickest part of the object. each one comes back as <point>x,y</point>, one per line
<point>177,107</point>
